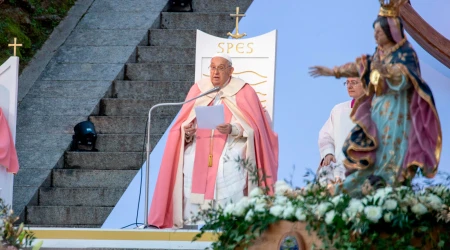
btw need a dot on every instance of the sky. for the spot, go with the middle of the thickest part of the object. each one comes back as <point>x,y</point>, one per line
<point>311,33</point>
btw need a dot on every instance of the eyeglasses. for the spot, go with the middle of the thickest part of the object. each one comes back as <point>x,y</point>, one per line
<point>351,83</point>
<point>220,68</point>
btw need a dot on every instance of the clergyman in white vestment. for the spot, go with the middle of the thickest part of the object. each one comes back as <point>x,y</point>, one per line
<point>201,167</point>
<point>230,181</point>
<point>333,134</point>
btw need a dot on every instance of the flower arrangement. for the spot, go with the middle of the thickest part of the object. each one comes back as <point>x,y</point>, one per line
<point>14,237</point>
<point>397,218</point>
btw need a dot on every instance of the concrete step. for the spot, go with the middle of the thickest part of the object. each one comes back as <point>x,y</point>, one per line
<point>157,54</point>
<point>67,215</point>
<point>125,142</point>
<point>78,178</point>
<point>152,89</point>
<point>121,142</point>
<point>103,160</point>
<point>130,124</point>
<point>136,107</point>
<point>228,6</point>
<point>179,38</point>
<point>159,72</point>
<point>97,197</point>
<point>201,21</point>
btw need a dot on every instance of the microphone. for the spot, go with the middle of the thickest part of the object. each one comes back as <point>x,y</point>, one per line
<point>215,89</point>
<point>147,167</point>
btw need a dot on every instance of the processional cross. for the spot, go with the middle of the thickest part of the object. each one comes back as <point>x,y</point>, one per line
<point>15,45</point>
<point>237,35</point>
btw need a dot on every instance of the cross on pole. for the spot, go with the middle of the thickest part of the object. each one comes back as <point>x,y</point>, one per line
<point>15,45</point>
<point>237,35</point>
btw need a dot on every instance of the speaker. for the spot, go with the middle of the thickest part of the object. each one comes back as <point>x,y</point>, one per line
<point>180,6</point>
<point>84,137</point>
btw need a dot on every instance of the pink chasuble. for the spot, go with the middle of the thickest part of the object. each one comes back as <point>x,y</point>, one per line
<point>207,155</point>
<point>8,154</point>
<point>265,143</point>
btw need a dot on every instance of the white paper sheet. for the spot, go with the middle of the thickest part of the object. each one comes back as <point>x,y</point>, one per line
<point>209,117</point>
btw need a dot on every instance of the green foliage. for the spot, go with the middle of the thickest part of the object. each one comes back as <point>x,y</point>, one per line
<point>31,22</point>
<point>12,236</point>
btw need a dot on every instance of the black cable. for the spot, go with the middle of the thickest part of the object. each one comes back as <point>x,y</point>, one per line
<point>130,225</point>
<point>140,183</point>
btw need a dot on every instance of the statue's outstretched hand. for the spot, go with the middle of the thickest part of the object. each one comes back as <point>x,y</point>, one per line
<point>317,71</point>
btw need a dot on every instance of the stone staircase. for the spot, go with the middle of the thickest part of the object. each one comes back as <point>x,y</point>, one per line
<point>84,191</point>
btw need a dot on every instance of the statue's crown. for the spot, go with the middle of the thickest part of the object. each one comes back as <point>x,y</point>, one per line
<point>390,8</point>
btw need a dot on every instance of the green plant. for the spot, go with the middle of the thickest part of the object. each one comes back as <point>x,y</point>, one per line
<point>396,218</point>
<point>16,237</point>
<point>31,22</point>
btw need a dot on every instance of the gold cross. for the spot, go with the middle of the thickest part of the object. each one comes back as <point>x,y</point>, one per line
<point>237,35</point>
<point>15,45</point>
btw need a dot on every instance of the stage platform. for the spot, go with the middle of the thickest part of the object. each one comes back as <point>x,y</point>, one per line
<point>88,238</point>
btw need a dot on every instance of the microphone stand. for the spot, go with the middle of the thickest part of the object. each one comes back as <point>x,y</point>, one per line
<point>147,167</point>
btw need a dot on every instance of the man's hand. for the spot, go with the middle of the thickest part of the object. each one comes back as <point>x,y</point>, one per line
<point>190,129</point>
<point>224,128</point>
<point>327,160</point>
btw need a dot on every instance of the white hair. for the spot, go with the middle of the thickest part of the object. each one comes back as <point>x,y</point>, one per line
<point>225,56</point>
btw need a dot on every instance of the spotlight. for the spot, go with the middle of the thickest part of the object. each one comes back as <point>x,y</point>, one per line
<point>85,137</point>
<point>180,6</point>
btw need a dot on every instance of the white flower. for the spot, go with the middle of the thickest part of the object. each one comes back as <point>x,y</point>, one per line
<point>288,212</point>
<point>434,201</point>
<point>373,213</point>
<point>384,191</point>
<point>300,215</point>
<point>300,198</point>
<point>381,194</point>
<point>419,209</point>
<point>241,206</point>
<point>366,199</point>
<point>256,192</point>
<point>354,207</point>
<point>322,209</point>
<point>281,187</point>
<point>403,188</point>
<point>388,217</point>
<point>337,199</point>
<point>329,217</point>
<point>229,209</point>
<point>356,204</point>
<point>276,210</point>
<point>390,204</point>
<point>244,201</point>
<point>260,208</point>
<point>249,216</point>
<point>280,200</point>
<point>257,200</point>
